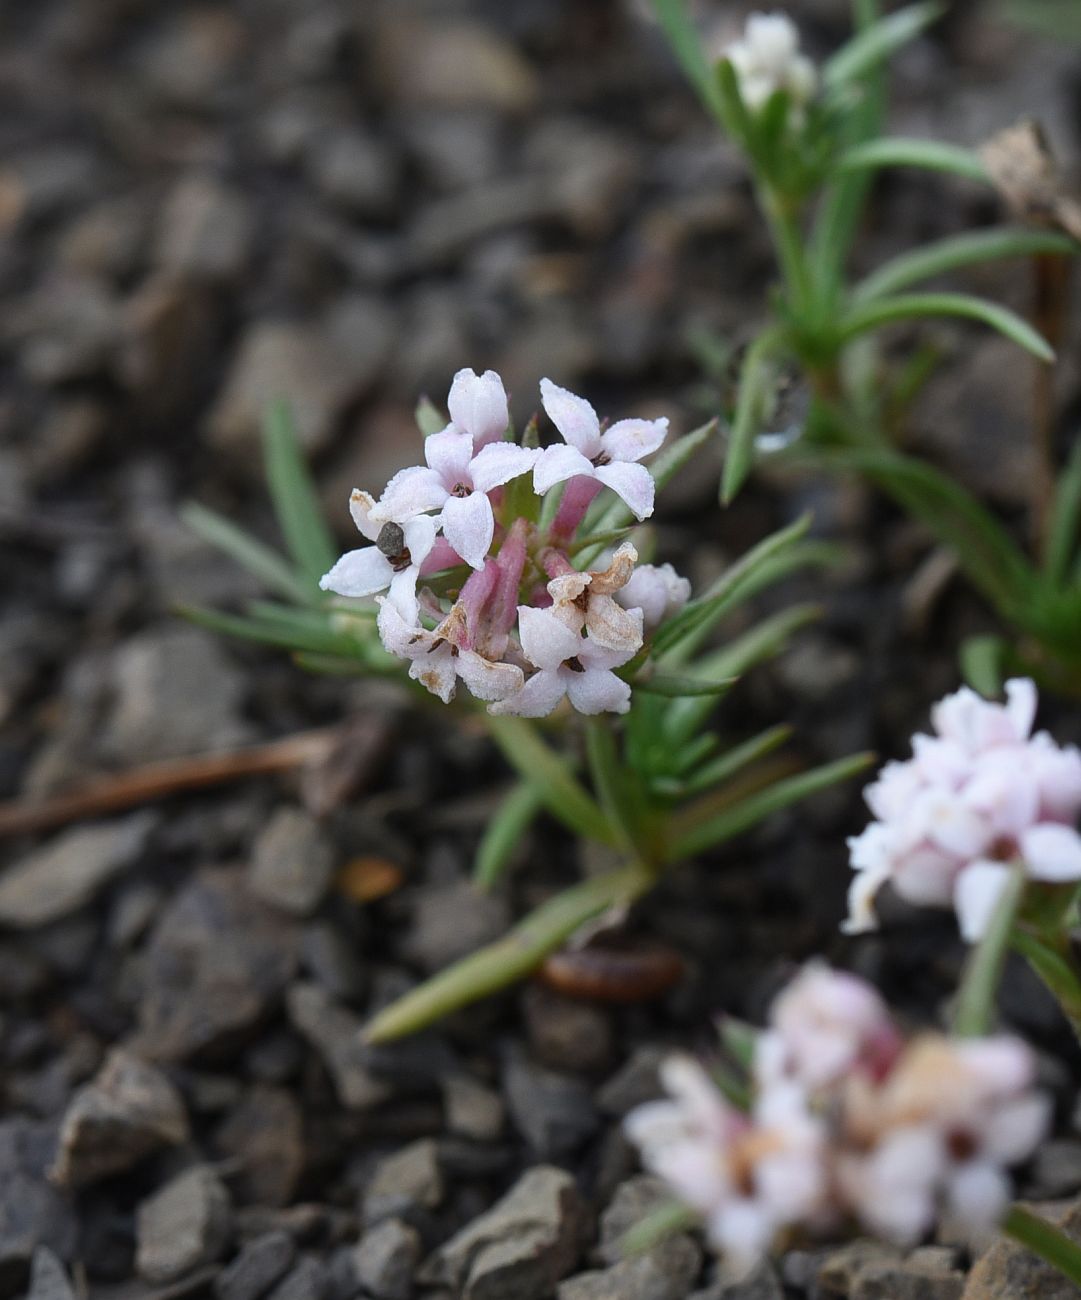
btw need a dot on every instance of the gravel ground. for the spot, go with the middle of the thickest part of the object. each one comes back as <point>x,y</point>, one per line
<point>203,203</point>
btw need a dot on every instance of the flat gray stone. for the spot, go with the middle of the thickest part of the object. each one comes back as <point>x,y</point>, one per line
<point>182,1226</point>
<point>292,862</point>
<point>335,1033</point>
<point>385,1259</point>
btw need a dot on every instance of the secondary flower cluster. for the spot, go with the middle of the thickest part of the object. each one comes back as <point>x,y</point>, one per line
<point>768,59</point>
<point>525,628</point>
<point>847,1121</point>
<point>978,796</point>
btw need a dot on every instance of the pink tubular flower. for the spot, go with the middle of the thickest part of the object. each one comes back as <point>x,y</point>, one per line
<point>824,1025</point>
<point>394,561</point>
<point>610,457</point>
<point>941,1130</point>
<point>478,406</point>
<point>568,664</point>
<point>586,601</point>
<point>657,590</point>
<point>456,483</point>
<point>976,797</point>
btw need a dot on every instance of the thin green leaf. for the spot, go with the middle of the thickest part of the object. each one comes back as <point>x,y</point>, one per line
<point>981,660</point>
<point>944,255</point>
<point>915,306</point>
<point>504,832</point>
<point>674,687</point>
<point>755,382</point>
<point>332,665</point>
<point>983,970</point>
<point>895,151</point>
<point>263,561</point>
<point>715,829</point>
<point>683,40</point>
<point>293,492</point>
<point>563,795</point>
<point>702,611</point>
<point>270,632</point>
<point>727,765</point>
<point>1062,538</point>
<point>612,784</point>
<point>430,419</point>
<point>989,555</point>
<point>877,43</point>
<point>511,958</point>
<point>740,1040</point>
<point>662,1222</point>
<point>607,538</point>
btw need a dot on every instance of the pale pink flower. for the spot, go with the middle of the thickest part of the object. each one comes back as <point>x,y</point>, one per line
<point>437,661</point>
<point>456,482</point>
<point>657,590</point>
<point>478,406</point>
<point>393,562</point>
<point>942,1130</point>
<point>748,1176</point>
<point>768,59</point>
<point>568,664</point>
<point>823,1026</point>
<point>976,797</point>
<point>589,601</point>
<point>610,457</point>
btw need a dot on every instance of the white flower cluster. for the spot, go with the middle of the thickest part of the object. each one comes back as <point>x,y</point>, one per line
<point>526,628</point>
<point>980,794</point>
<point>847,1121</point>
<point>768,59</point>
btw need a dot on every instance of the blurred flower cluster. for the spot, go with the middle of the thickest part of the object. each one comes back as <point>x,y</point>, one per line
<point>525,628</point>
<point>846,1120</point>
<point>979,796</point>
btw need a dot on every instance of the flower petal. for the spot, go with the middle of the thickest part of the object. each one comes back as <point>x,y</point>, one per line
<point>403,596</point>
<point>537,698</point>
<point>468,524</point>
<point>478,406</point>
<point>976,895</point>
<point>556,465</point>
<point>597,691</point>
<point>1052,852</point>
<point>410,492</point>
<point>448,454</point>
<point>633,439</point>
<point>487,680</point>
<point>546,642</point>
<point>437,671</point>
<point>361,504</point>
<point>612,627</point>
<point>359,573</point>
<point>634,483</point>
<point>498,463</point>
<point>978,1194</point>
<point>573,416</point>
<point>419,538</point>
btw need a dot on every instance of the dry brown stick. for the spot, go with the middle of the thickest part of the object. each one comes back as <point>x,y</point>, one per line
<point>156,780</point>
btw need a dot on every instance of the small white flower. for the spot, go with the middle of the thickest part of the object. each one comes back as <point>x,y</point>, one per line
<point>657,590</point>
<point>437,662</point>
<point>456,482</point>
<point>568,664</point>
<point>590,601</point>
<point>478,406</point>
<point>609,457</point>
<point>768,59</point>
<point>394,561</point>
<point>824,1025</point>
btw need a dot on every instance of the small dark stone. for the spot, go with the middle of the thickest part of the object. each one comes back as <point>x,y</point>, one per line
<point>386,1258</point>
<point>128,1111</point>
<point>184,1225</point>
<point>32,1211</point>
<point>259,1265</point>
<point>472,1110</point>
<point>48,1280</point>
<point>555,1114</point>
<point>565,1034</point>
<point>292,863</point>
<point>307,1280</point>
<point>265,1133</point>
<point>409,1179</point>
<point>335,1033</point>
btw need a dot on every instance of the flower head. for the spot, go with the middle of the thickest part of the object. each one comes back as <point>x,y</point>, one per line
<point>394,561</point>
<point>608,456</point>
<point>977,796</point>
<point>568,664</point>
<point>768,59</point>
<point>587,601</point>
<point>657,590</point>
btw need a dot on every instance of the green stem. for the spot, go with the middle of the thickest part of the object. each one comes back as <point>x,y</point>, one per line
<point>788,242</point>
<point>1044,1239</point>
<point>1050,958</point>
<point>512,957</point>
<point>983,970</point>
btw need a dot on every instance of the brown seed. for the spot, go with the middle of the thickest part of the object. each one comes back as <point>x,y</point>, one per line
<point>611,974</point>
